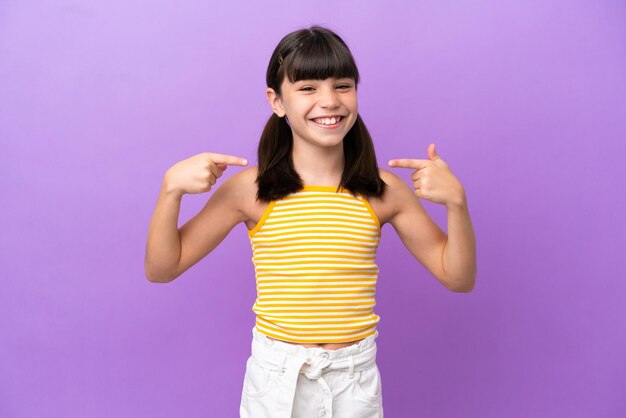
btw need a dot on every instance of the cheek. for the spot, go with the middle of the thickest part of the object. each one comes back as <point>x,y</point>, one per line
<point>353,103</point>
<point>301,111</point>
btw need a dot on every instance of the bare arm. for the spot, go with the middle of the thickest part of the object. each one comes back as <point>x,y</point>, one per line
<point>170,251</point>
<point>459,253</point>
<point>163,246</point>
<point>205,231</point>
<point>417,231</point>
<point>452,258</point>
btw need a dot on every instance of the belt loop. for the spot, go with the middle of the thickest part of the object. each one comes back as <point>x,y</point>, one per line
<point>351,362</point>
<point>283,366</point>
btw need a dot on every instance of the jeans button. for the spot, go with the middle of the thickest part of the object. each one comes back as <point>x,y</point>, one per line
<point>324,355</point>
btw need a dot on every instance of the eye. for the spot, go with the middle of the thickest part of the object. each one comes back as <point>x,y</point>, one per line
<point>345,86</point>
<point>306,88</point>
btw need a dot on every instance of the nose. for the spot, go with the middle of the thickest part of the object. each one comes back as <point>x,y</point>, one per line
<point>329,98</point>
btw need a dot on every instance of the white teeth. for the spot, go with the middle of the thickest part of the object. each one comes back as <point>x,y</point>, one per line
<point>327,121</point>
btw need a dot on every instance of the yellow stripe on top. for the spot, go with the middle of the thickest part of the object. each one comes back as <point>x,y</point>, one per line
<point>314,257</point>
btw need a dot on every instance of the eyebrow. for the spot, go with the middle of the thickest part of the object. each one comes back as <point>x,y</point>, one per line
<point>311,80</point>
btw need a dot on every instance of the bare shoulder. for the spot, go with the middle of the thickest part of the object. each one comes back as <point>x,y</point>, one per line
<point>241,183</point>
<point>391,202</point>
<point>392,179</point>
<point>239,186</point>
<point>242,187</point>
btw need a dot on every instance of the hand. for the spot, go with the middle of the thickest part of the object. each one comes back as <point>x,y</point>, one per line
<point>433,180</point>
<point>199,173</point>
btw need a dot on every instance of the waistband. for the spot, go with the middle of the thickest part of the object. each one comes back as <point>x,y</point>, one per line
<point>291,360</point>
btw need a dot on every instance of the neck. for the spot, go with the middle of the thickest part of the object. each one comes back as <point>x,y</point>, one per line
<point>318,166</point>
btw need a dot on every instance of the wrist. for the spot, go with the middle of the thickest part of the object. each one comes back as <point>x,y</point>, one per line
<point>169,189</point>
<point>458,204</point>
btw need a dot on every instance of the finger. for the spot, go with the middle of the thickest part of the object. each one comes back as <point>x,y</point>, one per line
<point>228,159</point>
<point>215,170</point>
<point>432,153</point>
<point>418,191</point>
<point>222,167</point>
<point>417,175</point>
<point>409,163</point>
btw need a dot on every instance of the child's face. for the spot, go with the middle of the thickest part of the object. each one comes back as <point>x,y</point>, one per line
<point>306,100</point>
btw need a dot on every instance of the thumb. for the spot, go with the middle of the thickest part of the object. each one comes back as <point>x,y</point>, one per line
<point>432,154</point>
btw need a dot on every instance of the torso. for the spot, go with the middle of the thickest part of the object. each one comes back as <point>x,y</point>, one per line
<point>253,210</point>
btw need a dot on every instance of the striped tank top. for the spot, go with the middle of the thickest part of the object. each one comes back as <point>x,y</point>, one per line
<point>314,258</point>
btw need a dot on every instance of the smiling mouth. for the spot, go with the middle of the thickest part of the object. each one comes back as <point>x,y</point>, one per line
<point>328,122</point>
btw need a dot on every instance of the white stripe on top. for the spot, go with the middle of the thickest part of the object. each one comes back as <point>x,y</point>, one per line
<point>314,257</point>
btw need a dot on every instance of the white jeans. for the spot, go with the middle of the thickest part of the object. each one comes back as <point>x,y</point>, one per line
<point>291,381</point>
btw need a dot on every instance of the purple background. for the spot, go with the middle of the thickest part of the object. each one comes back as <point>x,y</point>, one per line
<point>526,102</point>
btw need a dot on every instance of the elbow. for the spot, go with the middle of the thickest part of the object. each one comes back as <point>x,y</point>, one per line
<point>464,285</point>
<point>157,279</point>
<point>154,277</point>
<point>151,278</point>
<point>464,289</point>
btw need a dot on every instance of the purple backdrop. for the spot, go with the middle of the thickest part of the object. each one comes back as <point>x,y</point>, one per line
<point>526,102</point>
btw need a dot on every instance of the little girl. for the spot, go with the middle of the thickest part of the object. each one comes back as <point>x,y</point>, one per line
<point>314,207</point>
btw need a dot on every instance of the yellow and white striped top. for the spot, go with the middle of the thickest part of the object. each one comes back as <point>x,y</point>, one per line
<point>314,256</point>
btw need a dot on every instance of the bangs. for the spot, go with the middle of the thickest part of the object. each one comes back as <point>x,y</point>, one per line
<point>321,59</point>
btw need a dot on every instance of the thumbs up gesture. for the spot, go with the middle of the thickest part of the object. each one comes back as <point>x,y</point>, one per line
<point>433,180</point>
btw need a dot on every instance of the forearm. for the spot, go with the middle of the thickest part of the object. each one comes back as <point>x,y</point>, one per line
<point>163,247</point>
<point>459,253</point>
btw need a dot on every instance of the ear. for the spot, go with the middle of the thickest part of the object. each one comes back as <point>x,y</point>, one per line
<point>275,102</point>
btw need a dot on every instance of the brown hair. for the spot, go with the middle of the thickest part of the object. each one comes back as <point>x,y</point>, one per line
<point>313,53</point>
